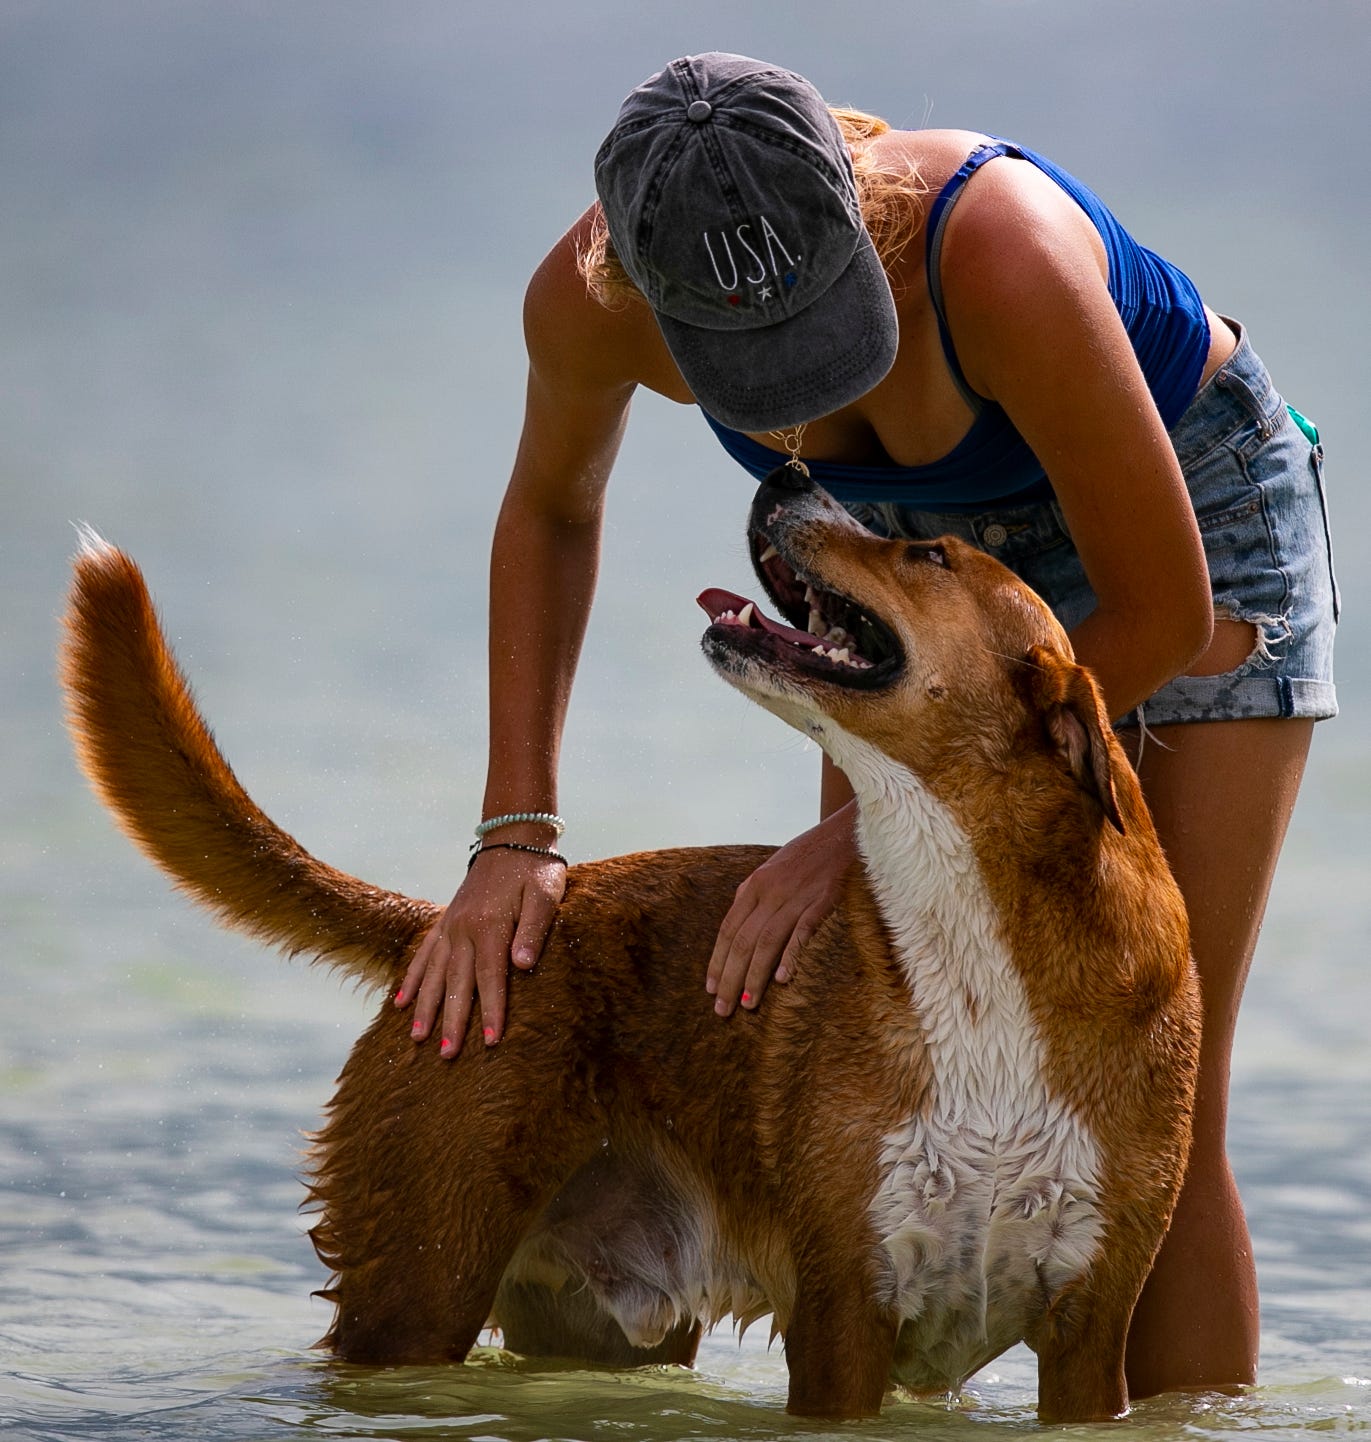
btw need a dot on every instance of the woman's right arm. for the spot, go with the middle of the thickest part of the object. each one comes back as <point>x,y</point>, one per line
<point>543,566</point>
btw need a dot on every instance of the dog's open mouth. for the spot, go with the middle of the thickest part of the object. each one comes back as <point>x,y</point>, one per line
<point>828,635</point>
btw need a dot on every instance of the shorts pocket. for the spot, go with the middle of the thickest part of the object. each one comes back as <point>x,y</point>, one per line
<point>1232,515</point>
<point>1223,493</point>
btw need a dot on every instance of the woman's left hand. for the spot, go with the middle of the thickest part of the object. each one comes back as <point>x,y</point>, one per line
<point>777,909</point>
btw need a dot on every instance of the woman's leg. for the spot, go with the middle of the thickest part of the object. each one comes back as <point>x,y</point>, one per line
<point>1221,794</point>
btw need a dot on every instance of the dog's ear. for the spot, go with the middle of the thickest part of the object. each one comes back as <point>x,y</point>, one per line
<point>1073,715</point>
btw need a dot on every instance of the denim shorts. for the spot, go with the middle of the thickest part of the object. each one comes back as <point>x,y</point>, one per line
<point>1256,480</point>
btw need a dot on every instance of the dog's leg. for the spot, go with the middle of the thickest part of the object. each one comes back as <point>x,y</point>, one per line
<point>425,1290</point>
<point>429,1174</point>
<point>1083,1334</point>
<point>1080,1355</point>
<point>839,1345</point>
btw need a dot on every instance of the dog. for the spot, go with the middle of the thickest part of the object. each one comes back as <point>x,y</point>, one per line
<point>964,1121</point>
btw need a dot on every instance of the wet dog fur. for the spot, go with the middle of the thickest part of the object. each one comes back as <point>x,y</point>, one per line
<point>963,1123</point>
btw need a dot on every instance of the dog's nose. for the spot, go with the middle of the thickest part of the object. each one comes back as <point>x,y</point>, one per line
<point>787,478</point>
<point>780,489</point>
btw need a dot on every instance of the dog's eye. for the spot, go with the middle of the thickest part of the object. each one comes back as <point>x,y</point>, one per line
<point>931,554</point>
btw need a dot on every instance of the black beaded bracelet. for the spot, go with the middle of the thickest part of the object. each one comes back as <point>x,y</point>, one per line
<point>517,846</point>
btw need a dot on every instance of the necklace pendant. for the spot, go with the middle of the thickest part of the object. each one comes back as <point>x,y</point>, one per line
<point>791,440</point>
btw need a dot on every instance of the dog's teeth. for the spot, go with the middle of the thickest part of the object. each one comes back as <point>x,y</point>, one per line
<point>816,624</point>
<point>767,554</point>
<point>842,655</point>
<point>745,615</point>
<point>837,635</point>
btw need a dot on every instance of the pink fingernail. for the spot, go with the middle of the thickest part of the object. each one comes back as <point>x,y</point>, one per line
<point>489,1034</point>
<point>711,986</point>
<point>400,997</point>
<point>747,998</point>
<point>417,1029</point>
<point>446,1049</point>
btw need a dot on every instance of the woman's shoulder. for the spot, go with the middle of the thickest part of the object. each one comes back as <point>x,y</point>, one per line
<point>609,340</point>
<point>936,155</point>
<point>559,294</point>
<point>939,154</point>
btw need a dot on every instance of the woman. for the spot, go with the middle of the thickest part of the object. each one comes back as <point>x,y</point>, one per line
<point>1022,373</point>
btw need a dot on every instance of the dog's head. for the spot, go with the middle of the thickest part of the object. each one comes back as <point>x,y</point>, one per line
<point>930,652</point>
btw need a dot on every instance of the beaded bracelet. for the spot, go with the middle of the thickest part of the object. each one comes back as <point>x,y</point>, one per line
<point>544,818</point>
<point>547,851</point>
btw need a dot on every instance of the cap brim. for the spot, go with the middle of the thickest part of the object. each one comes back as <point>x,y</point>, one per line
<point>803,367</point>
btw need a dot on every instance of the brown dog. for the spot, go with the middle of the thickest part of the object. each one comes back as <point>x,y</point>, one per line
<point>963,1123</point>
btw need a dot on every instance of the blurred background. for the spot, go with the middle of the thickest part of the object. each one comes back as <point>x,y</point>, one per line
<point>261,268</point>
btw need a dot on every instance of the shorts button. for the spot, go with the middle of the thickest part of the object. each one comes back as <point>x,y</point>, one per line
<point>994,534</point>
<point>699,110</point>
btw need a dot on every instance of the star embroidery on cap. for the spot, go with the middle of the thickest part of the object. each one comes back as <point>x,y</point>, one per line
<point>764,293</point>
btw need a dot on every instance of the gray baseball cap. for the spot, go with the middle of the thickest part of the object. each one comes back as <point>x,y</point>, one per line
<point>730,201</point>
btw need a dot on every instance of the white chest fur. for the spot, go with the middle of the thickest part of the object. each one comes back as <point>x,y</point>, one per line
<point>987,1201</point>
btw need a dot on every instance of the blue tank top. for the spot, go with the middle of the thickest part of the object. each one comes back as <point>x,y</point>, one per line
<point>1160,309</point>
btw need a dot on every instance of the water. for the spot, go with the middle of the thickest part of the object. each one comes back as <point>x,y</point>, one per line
<point>260,325</point>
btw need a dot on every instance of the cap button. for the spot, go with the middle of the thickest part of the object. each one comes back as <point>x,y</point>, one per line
<point>699,110</point>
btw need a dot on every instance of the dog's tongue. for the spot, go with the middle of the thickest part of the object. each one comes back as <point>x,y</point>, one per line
<point>715,603</point>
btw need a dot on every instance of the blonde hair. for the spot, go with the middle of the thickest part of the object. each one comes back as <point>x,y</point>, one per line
<point>891,201</point>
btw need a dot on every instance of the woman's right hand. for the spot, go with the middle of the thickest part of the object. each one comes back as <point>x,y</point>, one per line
<point>501,913</point>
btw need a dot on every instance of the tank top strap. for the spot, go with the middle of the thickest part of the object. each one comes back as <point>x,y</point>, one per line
<point>933,250</point>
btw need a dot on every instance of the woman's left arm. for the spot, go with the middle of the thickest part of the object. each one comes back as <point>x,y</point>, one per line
<point>1035,329</point>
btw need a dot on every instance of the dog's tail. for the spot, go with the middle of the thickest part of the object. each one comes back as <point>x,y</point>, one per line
<point>150,756</point>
